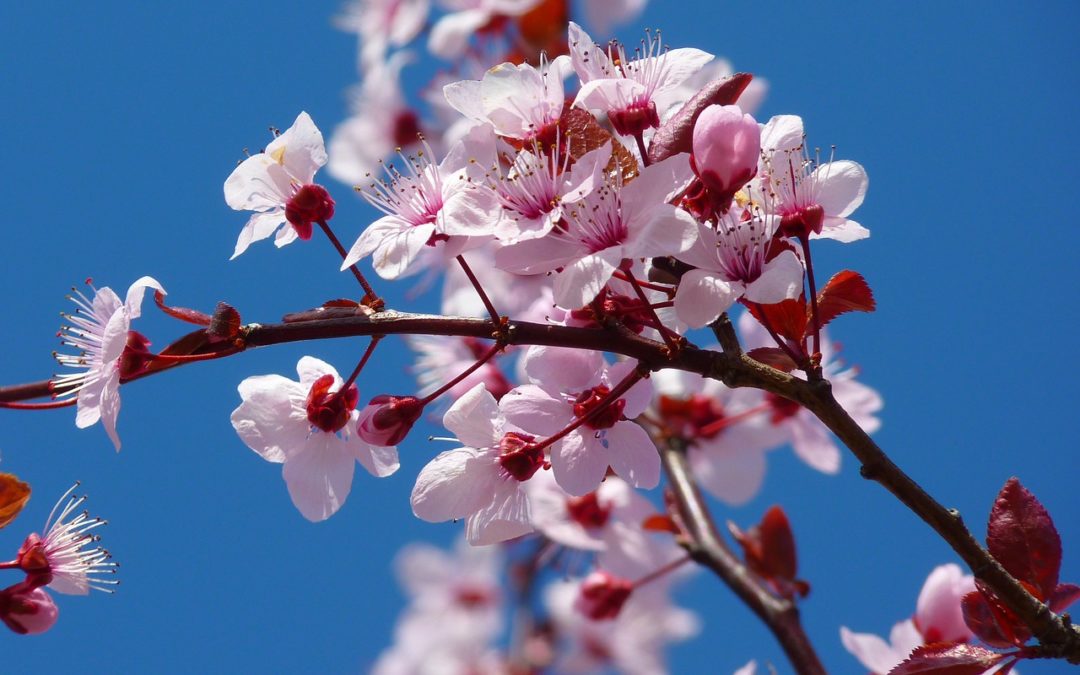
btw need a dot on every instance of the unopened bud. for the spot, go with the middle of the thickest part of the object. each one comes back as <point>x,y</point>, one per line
<point>602,595</point>
<point>387,419</point>
<point>726,148</point>
<point>311,204</point>
<point>27,610</point>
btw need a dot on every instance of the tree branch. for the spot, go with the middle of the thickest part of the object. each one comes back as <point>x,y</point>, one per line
<point>706,546</point>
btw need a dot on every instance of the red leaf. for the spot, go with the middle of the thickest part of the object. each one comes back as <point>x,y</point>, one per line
<point>787,318</point>
<point>1022,536</point>
<point>675,135</point>
<point>847,291</point>
<point>583,133</point>
<point>341,302</point>
<point>225,324</point>
<point>982,620</point>
<point>947,658</point>
<point>660,523</point>
<point>13,497</point>
<point>187,315</point>
<point>1064,595</point>
<point>769,549</point>
<point>773,356</point>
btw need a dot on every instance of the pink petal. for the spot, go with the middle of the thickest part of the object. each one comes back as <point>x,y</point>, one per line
<point>841,187</point>
<point>734,477</point>
<point>531,409</point>
<point>633,455</point>
<point>813,444</point>
<point>319,477</point>
<point>782,279</point>
<point>453,485</point>
<point>702,296</point>
<point>871,651</point>
<point>579,464</point>
<point>560,368</point>
<point>581,281</point>
<point>472,417</point>
<point>270,420</point>
<point>505,517</point>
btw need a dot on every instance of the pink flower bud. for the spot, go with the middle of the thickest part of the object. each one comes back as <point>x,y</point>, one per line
<point>603,595</point>
<point>388,419</point>
<point>27,610</point>
<point>311,204</point>
<point>726,147</point>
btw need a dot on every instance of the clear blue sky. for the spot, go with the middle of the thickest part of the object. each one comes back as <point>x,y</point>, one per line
<point>121,121</point>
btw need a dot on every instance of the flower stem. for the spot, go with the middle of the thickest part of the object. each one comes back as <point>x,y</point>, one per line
<point>672,344</point>
<point>640,138</point>
<point>372,298</point>
<point>487,356</point>
<point>666,569</point>
<point>480,291</point>
<point>359,367</point>
<point>805,241</point>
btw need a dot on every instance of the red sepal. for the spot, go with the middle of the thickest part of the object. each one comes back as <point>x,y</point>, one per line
<point>184,314</point>
<point>660,523</point>
<point>847,291</point>
<point>948,658</point>
<point>1022,537</point>
<point>773,356</point>
<point>225,324</point>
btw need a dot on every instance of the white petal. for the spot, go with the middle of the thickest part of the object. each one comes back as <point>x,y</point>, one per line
<point>702,296</point>
<point>871,651</point>
<point>472,417</point>
<point>843,230</point>
<point>451,486</point>
<point>319,477</point>
<point>505,517</point>
<point>301,147</point>
<point>271,420</point>
<point>782,132</point>
<point>579,463</point>
<point>536,256</point>
<point>532,410</point>
<point>377,460</point>
<point>782,279</point>
<point>561,368</point>
<point>582,280</point>
<point>110,406</point>
<point>633,455</point>
<point>450,34</point>
<point>310,369</point>
<point>135,293</point>
<point>464,96</point>
<point>668,231</point>
<point>258,227</point>
<point>680,65</point>
<point>841,187</point>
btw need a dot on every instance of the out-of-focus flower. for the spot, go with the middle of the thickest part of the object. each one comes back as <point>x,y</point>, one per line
<point>277,185</point>
<point>26,609</point>
<point>381,24</point>
<point>584,522</point>
<point>310,429</point>
<point>450,34</point>
<point>604,15</point>
<point>108,349</point>
<point>938,618</point>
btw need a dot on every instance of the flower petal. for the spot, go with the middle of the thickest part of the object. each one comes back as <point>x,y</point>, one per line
<point>633,455</point>
<point>702,296</point>
<point>319,477</point>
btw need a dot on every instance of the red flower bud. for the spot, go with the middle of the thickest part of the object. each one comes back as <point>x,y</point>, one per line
<point>27,610</point>
<point>603,595</point>
<point>311,204</point>
<point>387,419</point>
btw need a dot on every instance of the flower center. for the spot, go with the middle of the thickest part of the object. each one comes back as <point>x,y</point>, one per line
<point>329,411</point>
<point>588,400</point>
<point>587,511</point>
<point>519,456</point>
<point>135,356</point>
<point>310,204</point>
<point>698,416</point>
<point>782,408</point>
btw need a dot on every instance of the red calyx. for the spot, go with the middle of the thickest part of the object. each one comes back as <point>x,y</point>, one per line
<point>406,128</point>
<point>782,408</point>
<point>311,204</point>
<point>329,411</point>
<point>603,595</point>
<point>135,356</point>
<point>590,399</point>
<point>587,511</point>
<point>801,223</point>
<point>694,417</point>
<point>520,456</point>
<point>634,121</point>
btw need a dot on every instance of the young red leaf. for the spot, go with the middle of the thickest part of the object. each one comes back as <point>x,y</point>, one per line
<point>225,324</point>
<point>13,497</point>
<point>773,356</point>
<point>847,291</point>
<point>769,549</point>
<point>184,314</point>
<point>1064,595</point>
<point>946,658</point>
<point>660,523</point>
<point>1022,536</point>
<point>787,318</point>
<point>675,135</point>
<point>583,133</point>
<point>982,620</point>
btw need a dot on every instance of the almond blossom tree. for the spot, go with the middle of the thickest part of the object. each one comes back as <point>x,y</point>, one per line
<point>594,213</point>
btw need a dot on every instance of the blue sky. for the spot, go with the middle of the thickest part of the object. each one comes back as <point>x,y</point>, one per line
<point>122,121</point>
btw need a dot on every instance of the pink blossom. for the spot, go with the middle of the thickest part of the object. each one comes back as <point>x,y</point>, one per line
<point>440,358</point>
<point>267,182</point>
<point>727,148</point>
<point>380,123</point>
<point>810,439</point>
<point>450,34</point>
<point>100,330</point>
<point>604,15</point>
<point>938,618</point>
<point>584,522</point>
<point>482,481</point>
<point>26,609</point>
<point>812,198</point>
<point>602,595</point>
<point>428,204</point>
<point>613,223</point>
<point>732,261</point>
<point>518,101</point>
<point>627,88</point>
<point>310,430</point>
<point>567,384</point>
